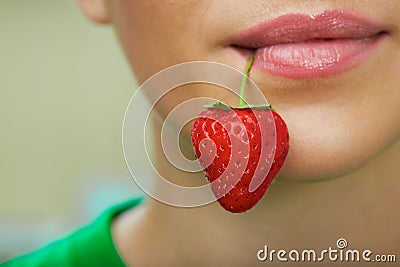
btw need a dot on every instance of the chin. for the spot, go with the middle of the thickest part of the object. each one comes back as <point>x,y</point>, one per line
<point>325,145</point>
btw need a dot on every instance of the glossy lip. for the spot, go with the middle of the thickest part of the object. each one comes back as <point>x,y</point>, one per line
<point>307,46</point>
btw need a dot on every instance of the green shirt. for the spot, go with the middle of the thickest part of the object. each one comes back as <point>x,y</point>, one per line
<point>89,246</point>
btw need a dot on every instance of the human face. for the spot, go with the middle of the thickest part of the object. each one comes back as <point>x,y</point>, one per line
<point>337,119</point>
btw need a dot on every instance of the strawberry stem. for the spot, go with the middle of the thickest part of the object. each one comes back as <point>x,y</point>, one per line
<point>242,101</point>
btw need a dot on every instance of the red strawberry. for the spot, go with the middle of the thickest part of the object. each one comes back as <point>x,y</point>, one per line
<point>237,150</point>
<point>241,151</point>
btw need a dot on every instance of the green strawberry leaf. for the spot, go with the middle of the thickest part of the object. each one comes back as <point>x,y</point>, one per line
<point>219,105</point>
<point>257,106</point>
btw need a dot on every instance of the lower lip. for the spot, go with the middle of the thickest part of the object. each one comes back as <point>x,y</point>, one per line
<point>313,59</point>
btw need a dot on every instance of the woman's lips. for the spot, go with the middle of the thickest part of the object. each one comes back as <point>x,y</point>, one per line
<point>305,46</point>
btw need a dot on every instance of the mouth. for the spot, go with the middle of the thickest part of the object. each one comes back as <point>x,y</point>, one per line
<point>306,46</point>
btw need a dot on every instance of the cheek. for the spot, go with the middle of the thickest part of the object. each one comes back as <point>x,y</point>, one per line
<point>157,34</point>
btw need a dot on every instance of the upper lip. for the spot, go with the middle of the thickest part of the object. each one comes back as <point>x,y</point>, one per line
<point>295,28</point>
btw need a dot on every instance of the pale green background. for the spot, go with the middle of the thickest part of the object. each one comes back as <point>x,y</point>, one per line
<point>64,87</point>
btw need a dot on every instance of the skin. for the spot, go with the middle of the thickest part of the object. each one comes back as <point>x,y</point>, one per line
<point>339,181</point>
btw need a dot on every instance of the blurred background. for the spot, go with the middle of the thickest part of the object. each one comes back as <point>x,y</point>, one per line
<point>64,87</point>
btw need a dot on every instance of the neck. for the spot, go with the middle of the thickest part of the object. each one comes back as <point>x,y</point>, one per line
<point>357,207</point>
